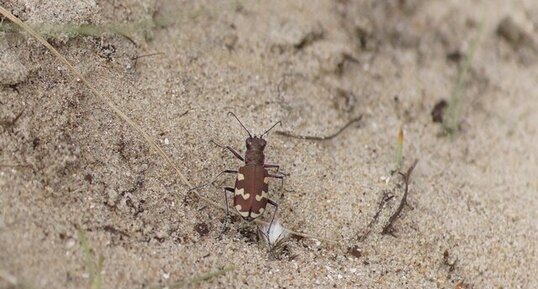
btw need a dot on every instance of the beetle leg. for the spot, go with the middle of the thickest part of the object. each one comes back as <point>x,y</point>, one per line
<point>270,166</point>
<point>236,154</point>
<point>224,172</point>
<point>278,176</point>
<point>214,179</point>
<point>275,204</point>
<point>227,218</point>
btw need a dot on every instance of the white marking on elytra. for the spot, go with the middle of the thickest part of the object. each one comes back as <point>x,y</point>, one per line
<point>241,192</point>
<point>255,215</point>
<point>260,197</point>
<point>240,177</point>
<point>265,180</point>
<point>242,213</point>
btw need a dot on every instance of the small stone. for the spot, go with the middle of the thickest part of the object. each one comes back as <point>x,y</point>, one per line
<point>296,34</point>
<point>438,111</point>
<point>512,32</point>
<point>161,234</point>
<point>70,243</point>
<point>520,39</point>
<point>229,41</point>
<point>355,252</point>
<point>112,194</point>
<point>202,229</point>
<point>12,71</point>
<point>166,275</point>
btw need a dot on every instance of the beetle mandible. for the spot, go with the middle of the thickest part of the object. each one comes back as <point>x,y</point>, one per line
<point>252,180</point>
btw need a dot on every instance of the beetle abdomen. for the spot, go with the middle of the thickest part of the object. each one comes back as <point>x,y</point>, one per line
<point>251,187</point>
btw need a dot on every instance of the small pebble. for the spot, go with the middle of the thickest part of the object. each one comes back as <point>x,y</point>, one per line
<point>70,243</point>
<point>12,71</point>
<point>166,275</point>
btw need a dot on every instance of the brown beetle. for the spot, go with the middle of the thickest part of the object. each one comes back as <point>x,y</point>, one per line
<point>251,183</point>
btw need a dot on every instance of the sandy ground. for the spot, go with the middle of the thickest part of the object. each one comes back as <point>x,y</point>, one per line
<point>68,163</point>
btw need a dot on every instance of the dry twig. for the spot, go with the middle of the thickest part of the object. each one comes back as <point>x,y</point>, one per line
<point>406,177</point>
<point>320,138</point>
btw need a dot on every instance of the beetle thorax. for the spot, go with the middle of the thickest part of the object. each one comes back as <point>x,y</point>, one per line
<point>254,157</point>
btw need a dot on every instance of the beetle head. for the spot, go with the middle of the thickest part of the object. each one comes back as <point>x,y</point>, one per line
<point>255,143</point>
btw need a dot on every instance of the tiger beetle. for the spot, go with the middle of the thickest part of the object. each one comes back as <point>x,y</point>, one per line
<point>252,180</point>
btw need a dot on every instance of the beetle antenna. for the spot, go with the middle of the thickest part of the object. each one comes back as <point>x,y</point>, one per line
<point>278,122</point>
<point>249,134</point>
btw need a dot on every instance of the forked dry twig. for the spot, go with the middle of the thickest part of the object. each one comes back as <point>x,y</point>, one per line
<point>406,177</point>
